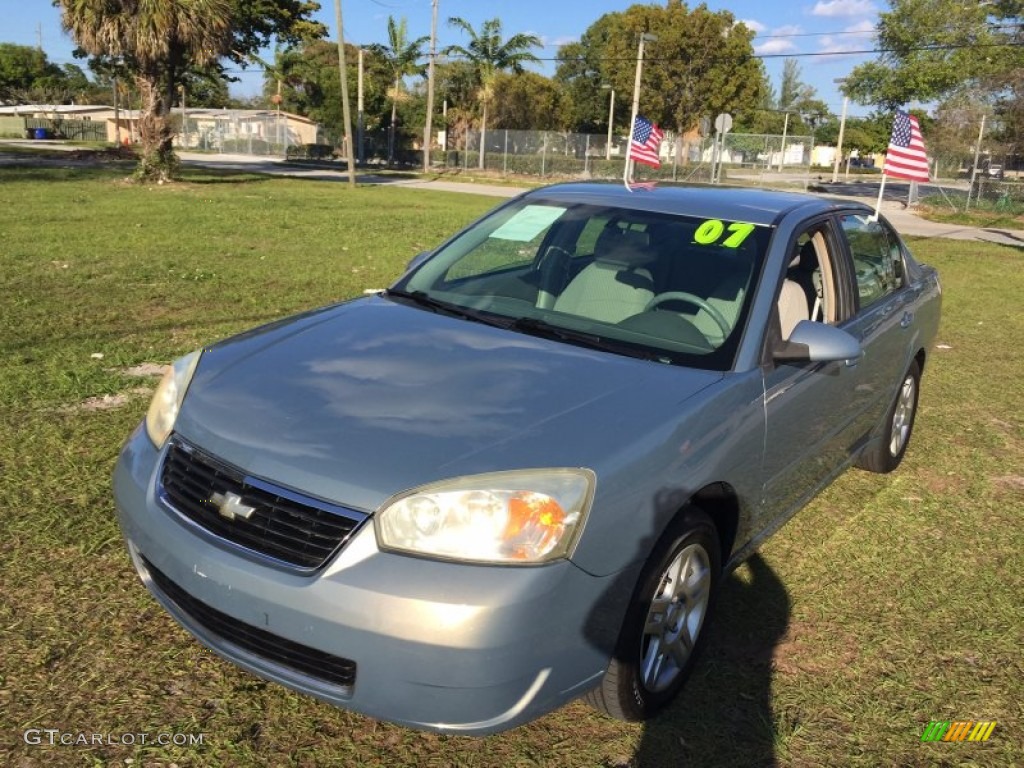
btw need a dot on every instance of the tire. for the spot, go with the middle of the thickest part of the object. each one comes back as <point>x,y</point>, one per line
<point>662,632</point>
<point>885,455</point>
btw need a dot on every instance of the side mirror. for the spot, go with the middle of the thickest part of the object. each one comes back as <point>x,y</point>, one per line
<point>418,259</point>
<point>818,343</point>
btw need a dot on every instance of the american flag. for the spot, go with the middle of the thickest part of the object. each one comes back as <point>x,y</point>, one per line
<point>646,139</point>
<point>645,186</point>
<point>905,158</point>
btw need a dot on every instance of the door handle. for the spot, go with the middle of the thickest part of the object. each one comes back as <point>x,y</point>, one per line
<point>907,319</point>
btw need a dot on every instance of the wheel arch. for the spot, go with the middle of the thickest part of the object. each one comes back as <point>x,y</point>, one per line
<point>721,504</point>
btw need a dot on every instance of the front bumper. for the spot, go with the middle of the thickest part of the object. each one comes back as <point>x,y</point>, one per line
<point>438,646</point>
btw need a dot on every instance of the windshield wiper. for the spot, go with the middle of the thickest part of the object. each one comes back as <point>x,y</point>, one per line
<point>423,299</point>
<point>538,327</point>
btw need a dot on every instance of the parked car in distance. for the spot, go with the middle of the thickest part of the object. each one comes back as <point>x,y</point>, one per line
<point>518,475</point>
<point>986,170</point>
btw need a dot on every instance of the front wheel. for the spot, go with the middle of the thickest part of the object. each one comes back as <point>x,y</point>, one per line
<point>888,452</point>
<point>663,628</point>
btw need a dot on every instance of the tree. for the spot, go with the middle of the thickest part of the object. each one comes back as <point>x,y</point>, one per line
<point>455,81</point>
<point>702,63</point>
<point>794,94</point>
<point>157,42</point>
<point>27,75</point>
<point>932,48</point>
<point>310,84</point>
<point>402,56</point>
<point>490,55</point>
<point>582,75</point>
<point>529,102</point>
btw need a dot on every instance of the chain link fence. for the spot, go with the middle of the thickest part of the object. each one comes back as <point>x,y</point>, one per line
<point>546,154</point>
<point>259,135</point>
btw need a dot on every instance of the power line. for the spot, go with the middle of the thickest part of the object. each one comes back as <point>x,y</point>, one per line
<point>794,55</point>
<point>861,32</point>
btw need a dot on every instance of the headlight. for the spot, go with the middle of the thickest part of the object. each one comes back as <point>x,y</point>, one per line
<point>518,517</point>
<point>163,411</point>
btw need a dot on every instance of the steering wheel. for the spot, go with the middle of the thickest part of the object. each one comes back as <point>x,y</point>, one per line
<point>553,271</point>
<point>696,301</point>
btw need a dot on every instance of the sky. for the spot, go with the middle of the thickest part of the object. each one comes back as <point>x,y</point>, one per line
<point>819,33</point>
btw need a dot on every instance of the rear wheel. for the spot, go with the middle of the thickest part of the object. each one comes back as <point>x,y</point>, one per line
<point>662,632</point>
<point>888,452</point>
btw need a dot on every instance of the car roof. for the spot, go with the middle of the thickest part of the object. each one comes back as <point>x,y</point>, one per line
<point>756,206</point>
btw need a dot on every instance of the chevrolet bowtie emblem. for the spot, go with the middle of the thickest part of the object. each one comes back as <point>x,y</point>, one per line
<point>230,505</point>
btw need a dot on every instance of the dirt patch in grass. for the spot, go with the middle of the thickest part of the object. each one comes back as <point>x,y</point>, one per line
<point>1012,483</point>
<point>107,402</point>
<point>800,651</point>
<point>146,370</point>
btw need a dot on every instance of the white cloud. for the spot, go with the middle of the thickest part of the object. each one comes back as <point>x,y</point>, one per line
<point>832,8</point>
<point>854,38</point>
<point>564,40</point>
<point>753,24</point>
<point>555,42</point>
<point>831,45</point>
<point>774,47</point>
<point>861,29</point>
<point>777,40</point>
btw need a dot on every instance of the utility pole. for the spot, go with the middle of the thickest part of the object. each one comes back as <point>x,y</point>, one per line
<point>645,37</point>
<point>842,127</point>
<point>974,167</point>
<point>117,117</point>
<point>360,119</point>
<point>428,129</point>
<point>184,124</point>
<point>346,110</point>
<point>782,152</point>
<point>611,120</point>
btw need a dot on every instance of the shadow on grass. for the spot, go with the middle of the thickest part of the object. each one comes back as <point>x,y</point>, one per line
<point>60,169</point>
<point>209,175</point>
<point>723,715</point>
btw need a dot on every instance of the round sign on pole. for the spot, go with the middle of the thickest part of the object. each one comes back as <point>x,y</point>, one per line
<point>723,123</point>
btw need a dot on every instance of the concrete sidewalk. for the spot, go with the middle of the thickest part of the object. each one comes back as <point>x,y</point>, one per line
<point>909,223</point>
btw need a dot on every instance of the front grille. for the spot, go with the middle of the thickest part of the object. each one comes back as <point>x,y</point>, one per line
<point>266,645</point>
<point>284,525</point>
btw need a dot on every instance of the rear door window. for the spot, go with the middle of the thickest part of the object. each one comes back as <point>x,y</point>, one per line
<point>877,258</point>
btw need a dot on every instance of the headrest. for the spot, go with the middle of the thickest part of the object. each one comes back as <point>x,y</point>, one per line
<point>625,247</point>
<point>805,257</point>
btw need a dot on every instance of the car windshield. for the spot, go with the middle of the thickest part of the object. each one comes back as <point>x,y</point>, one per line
<point>660,286</point>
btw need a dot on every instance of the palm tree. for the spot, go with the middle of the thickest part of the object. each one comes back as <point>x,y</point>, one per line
<point>489,55</point>
<point>401,56</point>
<point>157,40</point>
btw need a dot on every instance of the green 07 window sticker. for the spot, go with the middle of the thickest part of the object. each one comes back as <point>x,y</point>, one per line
<point>712,232</point>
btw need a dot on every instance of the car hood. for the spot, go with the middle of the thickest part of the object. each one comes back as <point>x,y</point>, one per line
<point>360,401</point>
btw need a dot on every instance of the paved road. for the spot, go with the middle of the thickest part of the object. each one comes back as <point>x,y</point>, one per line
<point>893,205</point>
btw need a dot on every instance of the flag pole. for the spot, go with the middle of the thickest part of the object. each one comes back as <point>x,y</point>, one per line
<point>627,172</point>
<point>878,205</point>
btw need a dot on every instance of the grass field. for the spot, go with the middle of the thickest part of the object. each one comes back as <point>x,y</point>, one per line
<point>889,602</point>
